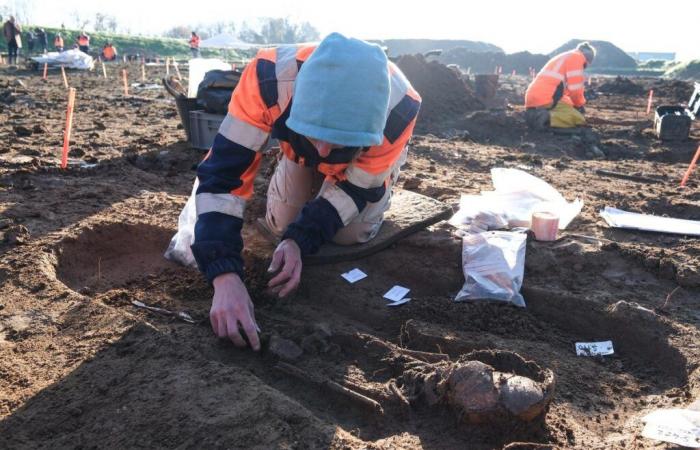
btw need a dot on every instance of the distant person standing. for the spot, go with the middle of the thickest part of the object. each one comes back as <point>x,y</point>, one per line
<point>30,37</point>
<point>555,97</point>
<point>42,39</point>
<point>12,32</point>
<point>194,45</point>
<point>84,42</point>
<point>58,43</point>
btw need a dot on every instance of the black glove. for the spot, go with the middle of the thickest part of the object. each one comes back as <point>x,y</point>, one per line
<point>581,109</point>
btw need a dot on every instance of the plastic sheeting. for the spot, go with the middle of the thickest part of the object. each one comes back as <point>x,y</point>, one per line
<point>515,197</point>
<point>618,218</point>
<point>70,59</point>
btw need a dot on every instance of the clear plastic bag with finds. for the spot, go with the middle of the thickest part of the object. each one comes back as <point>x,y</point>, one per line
<point>494,264</point>
<point>179,250</point>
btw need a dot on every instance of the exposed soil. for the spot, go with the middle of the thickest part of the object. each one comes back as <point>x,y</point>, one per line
<point>81,366</point>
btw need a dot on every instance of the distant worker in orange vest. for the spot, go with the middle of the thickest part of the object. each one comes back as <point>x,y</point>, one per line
<point>109,52</point>
<point>194,45</point>
<point>84,42</point>
<point>58,43</point>
<point>555,97</point>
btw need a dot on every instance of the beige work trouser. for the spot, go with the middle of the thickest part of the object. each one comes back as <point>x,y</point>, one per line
<point>293,185</point>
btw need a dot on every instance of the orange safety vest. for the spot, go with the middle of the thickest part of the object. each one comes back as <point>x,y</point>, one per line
<point>560,79</point>
<point>58,42</point>
<point>259,106</point>
<point>109,52</point>
<point>194,42</point>
<point>83,41</point>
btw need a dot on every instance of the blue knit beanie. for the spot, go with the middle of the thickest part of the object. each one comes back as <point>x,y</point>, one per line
<point>341,93</point>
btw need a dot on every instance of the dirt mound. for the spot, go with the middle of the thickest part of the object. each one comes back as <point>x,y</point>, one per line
<point>621,86</point>
<point>487,62</point>
<point>686,71</point>
<point>677,90</point>
<point>608,55</point>
<point>396,47</point>
<point>445,95</point>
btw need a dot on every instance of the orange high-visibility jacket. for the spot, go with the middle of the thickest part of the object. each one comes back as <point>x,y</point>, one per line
<point>258,110</point>
<point>83,40</point>
<point>194,42</point>
<point>561,79</point>
<point>58,41</point>
<point>109,52</point>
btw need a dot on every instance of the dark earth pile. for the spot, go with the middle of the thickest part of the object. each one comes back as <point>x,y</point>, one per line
<point>486,62</point>
<point>621,86</point>
<point>608,56</point>
<point>445,95</point>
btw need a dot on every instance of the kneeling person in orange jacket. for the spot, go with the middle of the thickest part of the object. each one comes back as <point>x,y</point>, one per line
<point>109,52</point>
<point>343,115</point>
<point>556,96</point>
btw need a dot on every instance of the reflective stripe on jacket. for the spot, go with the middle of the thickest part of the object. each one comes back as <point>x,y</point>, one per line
<point>564,72</point>
<point>258,110</point>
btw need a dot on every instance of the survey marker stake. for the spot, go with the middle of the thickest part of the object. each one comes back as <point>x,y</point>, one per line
<point>69,127</point>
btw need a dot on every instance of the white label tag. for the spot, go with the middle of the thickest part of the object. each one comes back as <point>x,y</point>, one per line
<point>400,302</point>
<point>594,348</point>
<point>687,437</point>
<point>354,275</point>
<point>396,293</point>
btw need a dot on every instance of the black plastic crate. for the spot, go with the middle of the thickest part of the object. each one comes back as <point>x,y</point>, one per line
<point>203,128</point>
<point>672,123</point>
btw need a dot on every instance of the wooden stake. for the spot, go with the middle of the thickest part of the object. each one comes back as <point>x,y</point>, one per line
<point>46,72</point>
<point>104,70</point>
<point>69,127</point>
<point>65,79</point>
<point>143,72</point>
<point>126,82</point>
<point>651,98</point>
<point>690,167</point>
<point>167,66</point>
<point>177,71</point>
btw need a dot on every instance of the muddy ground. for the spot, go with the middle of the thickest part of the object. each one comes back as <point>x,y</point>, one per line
<point>81,367</point>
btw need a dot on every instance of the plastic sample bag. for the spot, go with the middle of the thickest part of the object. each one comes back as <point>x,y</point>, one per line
<point>494,265</point>
<point>179,250</point>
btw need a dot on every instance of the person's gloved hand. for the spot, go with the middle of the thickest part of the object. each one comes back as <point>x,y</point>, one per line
<point>287,256</point>
<point>232,309</point>
<point>581,109</point>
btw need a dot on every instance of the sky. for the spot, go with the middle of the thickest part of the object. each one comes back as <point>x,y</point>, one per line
<point>514,25</point>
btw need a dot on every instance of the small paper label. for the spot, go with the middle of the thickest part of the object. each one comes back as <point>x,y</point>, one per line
<point>594,348</point>
<point>687,437</point>
<point>354,275</point>
<point>396,293</point>
<point>400,302</point>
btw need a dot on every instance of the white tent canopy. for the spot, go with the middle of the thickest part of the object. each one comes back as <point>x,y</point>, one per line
<point>226,40</point>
